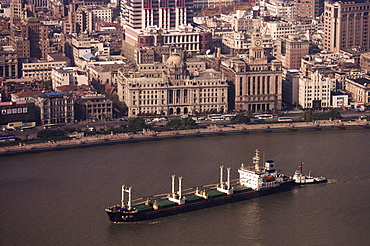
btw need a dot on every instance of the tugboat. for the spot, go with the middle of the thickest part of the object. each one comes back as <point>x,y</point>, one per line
<point>253,182</point>
<point>301,178</point>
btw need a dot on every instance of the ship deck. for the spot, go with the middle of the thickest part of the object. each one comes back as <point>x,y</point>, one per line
<point>190,198</point>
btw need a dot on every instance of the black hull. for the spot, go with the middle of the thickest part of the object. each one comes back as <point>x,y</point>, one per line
<point>120,217</point>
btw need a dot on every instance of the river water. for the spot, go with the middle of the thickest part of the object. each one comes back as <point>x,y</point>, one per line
<point>58,198</point>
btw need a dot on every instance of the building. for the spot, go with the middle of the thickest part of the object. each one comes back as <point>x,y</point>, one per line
<point>365,61</point>
<point>290,50</point>
<point>279,8</point>
<point>257,80</point>
<point>339,100</point>
<point>54,108</point>
<point>16,9</point>
<point>68,76</point>
<point>139,16</point>
<point>359,89</point>
<point>291,87</point>
<point>173,88</point>
<point>88,16</point>
<point>37,34</point>
<point>346,25</point>
<point>41,70</point>
<point>315,90</point>
<point>8,63</point>
<point>94,107</point>
<point>22,113</point>
<point>308,8</point>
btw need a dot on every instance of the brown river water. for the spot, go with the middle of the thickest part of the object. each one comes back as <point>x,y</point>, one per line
<point>59,197</point>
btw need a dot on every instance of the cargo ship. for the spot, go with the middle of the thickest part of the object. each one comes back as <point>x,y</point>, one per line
<point>254,181</point>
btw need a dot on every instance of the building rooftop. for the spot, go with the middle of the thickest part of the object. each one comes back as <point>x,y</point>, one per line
<point>362,81</point>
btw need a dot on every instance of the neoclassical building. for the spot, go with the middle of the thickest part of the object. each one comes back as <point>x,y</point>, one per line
<point>175,87</point>
<point>257,79</point>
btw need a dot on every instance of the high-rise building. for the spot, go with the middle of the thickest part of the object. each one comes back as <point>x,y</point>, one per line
<point>291,50</point>
<point>38,37</point>
<point>346,25</point>
<point>308,8</point>
<point>137,15</point>
<point>16,9</point>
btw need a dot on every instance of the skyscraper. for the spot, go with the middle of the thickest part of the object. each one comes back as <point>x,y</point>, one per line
<point>137,15</point>
<point>346,25</point>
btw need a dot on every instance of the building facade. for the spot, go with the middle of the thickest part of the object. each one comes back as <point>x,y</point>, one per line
<point>8,62</point>
<point>54,108</point>
<point>308,8</point>
<point>257,80</point>
<point>176,90</point>
<point>94,107</point>
<point>346,25</point>
<point>20,111</point>
<point>315,90</point>
<point>359,89</point>
<point>68,76</point>
<point>290,50</point>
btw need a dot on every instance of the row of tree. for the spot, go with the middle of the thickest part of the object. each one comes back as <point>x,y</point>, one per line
<point>138,124</point>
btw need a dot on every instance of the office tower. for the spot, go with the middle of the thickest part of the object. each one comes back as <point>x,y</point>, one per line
<point>308,8</point>
<point>290,50</point>
<point>165,14</point>
<point>16,9</point>
<point>346,25</point>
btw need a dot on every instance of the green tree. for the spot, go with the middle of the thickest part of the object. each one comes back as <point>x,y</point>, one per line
<point>240,119</point>
<point>48,134</point>
<point>307,115</point>
<point>119,107</point>
<point>136,124</point>
<point>179,124</point>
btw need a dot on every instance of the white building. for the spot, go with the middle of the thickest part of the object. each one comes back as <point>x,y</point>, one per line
<point>279,8</point>
<point>41,70</point>
<point>280,29</point>
<point>87,17</point>
<point>315,91</point>
<point>68,76</point>
<point>339,100</point>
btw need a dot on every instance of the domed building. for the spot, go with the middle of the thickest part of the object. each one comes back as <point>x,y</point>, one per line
<point>177,86</point>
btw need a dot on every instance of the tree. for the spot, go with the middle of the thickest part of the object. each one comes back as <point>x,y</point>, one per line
<point>179,124</point>
<point>47,134</point>
<point>308,115</point>
<point>240,119</point>
<point>136,124</point>
<point>118,106</point>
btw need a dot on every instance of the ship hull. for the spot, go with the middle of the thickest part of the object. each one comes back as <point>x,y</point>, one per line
<point>122,216</point>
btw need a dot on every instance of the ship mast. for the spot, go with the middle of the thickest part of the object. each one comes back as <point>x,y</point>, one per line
<point>225,188</point>
<point>301,167</point>
<point>256,160</point>
<point>128,190</point>
<point>173,196</point>
<point>222,177</point>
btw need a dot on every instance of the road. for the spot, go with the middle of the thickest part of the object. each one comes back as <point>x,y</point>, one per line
<point>295,115</point>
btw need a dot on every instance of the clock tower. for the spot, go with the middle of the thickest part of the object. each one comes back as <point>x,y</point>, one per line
<point>257,54</point>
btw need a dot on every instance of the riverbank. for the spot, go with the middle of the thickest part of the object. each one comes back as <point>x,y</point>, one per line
<point>120,138</point>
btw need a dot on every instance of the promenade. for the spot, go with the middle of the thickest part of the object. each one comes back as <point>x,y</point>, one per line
<point>210,130</point>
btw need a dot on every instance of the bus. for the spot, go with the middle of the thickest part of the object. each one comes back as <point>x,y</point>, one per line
<point>285,119</point>
<point>48,126</point>
<point>265,116</point>
<point>28,128</point>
